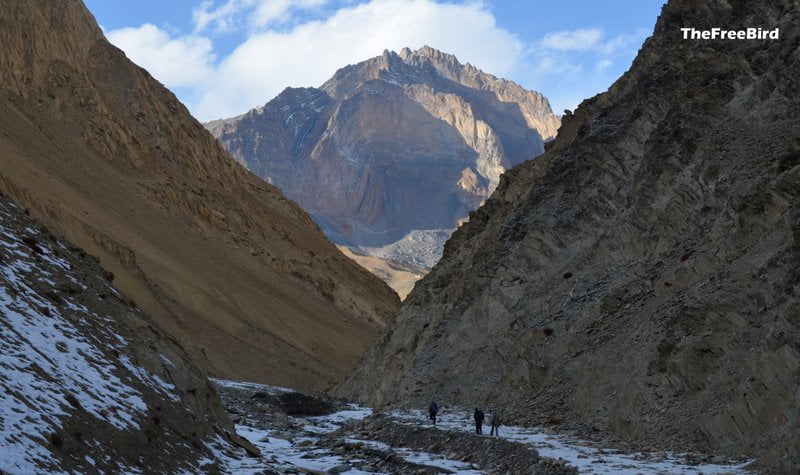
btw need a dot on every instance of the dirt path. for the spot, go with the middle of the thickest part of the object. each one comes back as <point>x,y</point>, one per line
<point>299,433</point>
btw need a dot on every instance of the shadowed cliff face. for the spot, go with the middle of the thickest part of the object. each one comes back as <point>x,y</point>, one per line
<point>640,278</point>
<point>401,142</point>
<point>102,153</point>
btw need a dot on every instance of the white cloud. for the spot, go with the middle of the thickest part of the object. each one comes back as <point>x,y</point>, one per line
<point>588,39</point>
<point>233,14</point>
<point>223,18</point>
<point>309,53</point>
<point>299,43</point>
<point>570,65</point>
<point>603,64</point>
<point>268,12</point>
<point>176,62</point>
<point>574,40</point>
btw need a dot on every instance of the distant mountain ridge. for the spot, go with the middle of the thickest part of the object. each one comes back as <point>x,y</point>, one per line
<point>401,142</point>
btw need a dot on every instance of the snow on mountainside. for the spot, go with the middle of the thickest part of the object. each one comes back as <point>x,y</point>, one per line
<point>86,383</point>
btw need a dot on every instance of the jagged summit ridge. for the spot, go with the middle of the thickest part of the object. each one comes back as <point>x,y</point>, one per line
<point>396,144</point>
<point>410,67</point>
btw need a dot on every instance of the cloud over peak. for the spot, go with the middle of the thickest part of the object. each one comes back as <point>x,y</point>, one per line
<point>272,44</point>
<point>307,53</point>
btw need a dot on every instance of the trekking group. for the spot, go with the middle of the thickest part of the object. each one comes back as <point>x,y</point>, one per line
<point>478,415</point>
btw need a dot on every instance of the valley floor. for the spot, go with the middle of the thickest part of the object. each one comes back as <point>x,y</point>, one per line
<point>355,440</point>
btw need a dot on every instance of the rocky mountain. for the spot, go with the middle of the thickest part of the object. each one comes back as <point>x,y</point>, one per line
<point>400,143</point>
<point>640,279</point>
<point>103,154</point>
<point>87,381</point>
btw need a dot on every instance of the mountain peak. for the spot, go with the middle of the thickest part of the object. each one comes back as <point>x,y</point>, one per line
<point>435,54</point>
<point>428,65</point>
<point>388,137</point>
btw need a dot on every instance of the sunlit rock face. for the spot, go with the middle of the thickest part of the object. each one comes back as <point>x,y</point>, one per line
<point>398,143</point>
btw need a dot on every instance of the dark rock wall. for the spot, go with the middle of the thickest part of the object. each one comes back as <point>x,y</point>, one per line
<point>640,279</point>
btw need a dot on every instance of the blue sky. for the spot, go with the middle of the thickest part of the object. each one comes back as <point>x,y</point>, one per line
<point>224,57</point>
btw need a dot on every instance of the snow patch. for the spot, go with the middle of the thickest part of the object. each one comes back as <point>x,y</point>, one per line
<point>48,365</point>
<point>586,456</point>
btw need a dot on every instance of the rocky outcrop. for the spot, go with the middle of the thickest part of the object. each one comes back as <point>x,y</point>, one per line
<point>395,144</point>
<point>100,152</point>
<point>639,279</point>
<point>87,381</point>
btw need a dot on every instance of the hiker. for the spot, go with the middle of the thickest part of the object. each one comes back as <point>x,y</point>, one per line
<point>432,410</point>
<point>478,421</point>
<point>495,430</point>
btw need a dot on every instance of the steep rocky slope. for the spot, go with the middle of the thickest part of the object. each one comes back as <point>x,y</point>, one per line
<point>641,278</point>
<point>87,382</point>
<point>103,154</point>
<point>397,143</point>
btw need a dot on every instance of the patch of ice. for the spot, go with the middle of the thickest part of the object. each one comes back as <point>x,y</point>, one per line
<point>277,453</point>
<point>331,422</point>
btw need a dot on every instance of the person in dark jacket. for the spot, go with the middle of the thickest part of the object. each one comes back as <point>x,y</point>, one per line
<point>495,430</point>
<point>433,409</point>
<point>478,421</point>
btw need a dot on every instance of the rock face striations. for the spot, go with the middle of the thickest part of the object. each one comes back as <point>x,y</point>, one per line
<point>395,144</point>
<point>641,278</point>
<point>100,152</point>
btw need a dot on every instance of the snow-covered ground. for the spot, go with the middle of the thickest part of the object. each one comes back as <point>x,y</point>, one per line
<point>283,452</point>
<point>584,455</point>
<point>47,364</point>
<point>422,458</point>
<point>280,451</point>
